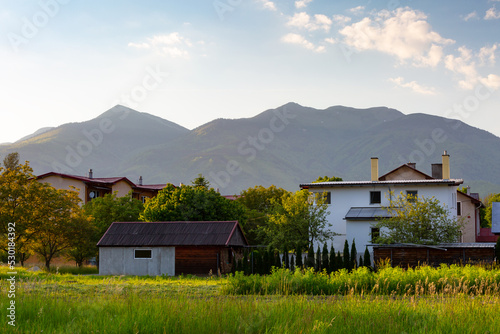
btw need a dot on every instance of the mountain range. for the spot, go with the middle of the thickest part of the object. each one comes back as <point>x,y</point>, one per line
<point>286,146</point>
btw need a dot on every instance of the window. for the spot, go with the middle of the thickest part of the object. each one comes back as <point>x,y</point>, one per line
<point>459,208</point>
<point>326,195</point>
<point>142,254</point>
<point>412,195</point>
<point>375,233</point>
<point>375,197</point>
<point>144,198</point>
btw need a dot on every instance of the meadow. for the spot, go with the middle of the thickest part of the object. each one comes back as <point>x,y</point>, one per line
<point>449,299</point>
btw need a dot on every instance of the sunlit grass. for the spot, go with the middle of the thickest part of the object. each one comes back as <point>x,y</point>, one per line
<point>64,303</point>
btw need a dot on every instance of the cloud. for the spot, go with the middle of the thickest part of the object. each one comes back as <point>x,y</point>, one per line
<point>302,20</point>
<point>492,14</point>
<point>341,19</point>
<point>465,65</point>
<point>414,86</point>
<point>403,33</point>
<point>302,3</point>
<point>292,38</point>
<point>330,40</point>
<point>470,16</point>
<point>269,5</point>
<point>172,45</point>
<point>356,10</point>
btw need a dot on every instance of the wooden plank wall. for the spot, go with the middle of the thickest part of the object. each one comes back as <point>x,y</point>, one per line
<point>414,256</point>
<point>196,260</point>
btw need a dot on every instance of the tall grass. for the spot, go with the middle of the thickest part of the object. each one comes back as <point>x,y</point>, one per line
<point>423,280</point>
<point>64,303</point>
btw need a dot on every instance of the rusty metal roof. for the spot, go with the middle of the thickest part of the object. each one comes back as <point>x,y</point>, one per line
<point>186,233</point>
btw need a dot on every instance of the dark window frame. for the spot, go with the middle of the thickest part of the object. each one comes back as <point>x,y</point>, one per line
<point>375,197</point>
<point>150,251</point>
<point>414,197</point>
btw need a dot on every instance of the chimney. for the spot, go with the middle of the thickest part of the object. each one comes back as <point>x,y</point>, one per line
<point>374,169</point>
<point>91,174</point>
<point>140,180</point>
<point>412,165</point>
<point>446,166</point>
<point>437,171</point>
<point>468,190</point>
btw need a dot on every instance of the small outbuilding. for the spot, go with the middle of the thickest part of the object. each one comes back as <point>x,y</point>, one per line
<point>170,248</point>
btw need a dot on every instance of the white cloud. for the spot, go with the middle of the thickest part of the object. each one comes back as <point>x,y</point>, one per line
<point>330,40</point>
<point>357,10</point>
<point>487,54</point>
<point>341,19</point>
<point>492,14</point>
<point>303,21</point>
<point>403,33</point>
<point>269,5</point>
<point>302,3</point>
<point>172,45</point>
<point>471,16</point>
<point>414,86</point>
<point>292,38</point>
<point>465,64</point>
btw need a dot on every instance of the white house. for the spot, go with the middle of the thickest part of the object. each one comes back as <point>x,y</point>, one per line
<point>355,205</point>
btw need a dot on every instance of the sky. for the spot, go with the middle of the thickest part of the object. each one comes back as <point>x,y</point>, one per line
<point>191,61</point>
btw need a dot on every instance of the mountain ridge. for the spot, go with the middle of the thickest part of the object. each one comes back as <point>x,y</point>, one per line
<point>284,146</point>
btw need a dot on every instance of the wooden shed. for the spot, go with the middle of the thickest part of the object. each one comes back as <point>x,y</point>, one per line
<point>412,255</point>
<point>170,248</point>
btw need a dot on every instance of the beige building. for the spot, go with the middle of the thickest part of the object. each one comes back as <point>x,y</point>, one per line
<point>90,187</point>
<point>468,208</point>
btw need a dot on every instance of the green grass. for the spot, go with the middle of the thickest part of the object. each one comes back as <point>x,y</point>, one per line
<point>65,303</point>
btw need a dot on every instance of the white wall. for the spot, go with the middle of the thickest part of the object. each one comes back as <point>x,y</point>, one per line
<point>343,198</point>
<point>121,261</point>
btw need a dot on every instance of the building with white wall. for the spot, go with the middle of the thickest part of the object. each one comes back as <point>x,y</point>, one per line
<point>354,206</point>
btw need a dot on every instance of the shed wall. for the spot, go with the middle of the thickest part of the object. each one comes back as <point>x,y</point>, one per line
<point>121,261</point>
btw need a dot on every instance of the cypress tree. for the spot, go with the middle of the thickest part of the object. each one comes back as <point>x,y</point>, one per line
<point>354,254</point>
<point>497,250</point>
<point>299,261</point>
<point>310,257</point>
<point>277,259</point>
<point>245,263</point>
<point>367,260</point>
<point>258,263</point>
<point>347,257</point>
<point>324,259</point>
<point>333,260</point>
<point>317,265</point>
<point>340,263</point>
<point>292,263</point>
<point>360,263</point>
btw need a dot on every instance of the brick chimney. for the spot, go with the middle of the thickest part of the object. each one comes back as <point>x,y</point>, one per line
<point>412,165</point>
<point>374,169</point>
<point>446,165</point>
<point>91,174</point>
<point>140,180</point>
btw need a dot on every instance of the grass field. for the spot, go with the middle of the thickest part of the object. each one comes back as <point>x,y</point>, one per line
<point>66,303</point>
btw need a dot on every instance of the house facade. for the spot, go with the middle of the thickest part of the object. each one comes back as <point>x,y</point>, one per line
<point>355,206</point>
<point>170,248</point>
<point>90,187</point>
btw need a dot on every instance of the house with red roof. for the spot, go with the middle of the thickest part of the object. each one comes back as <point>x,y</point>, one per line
<point>90,187</point>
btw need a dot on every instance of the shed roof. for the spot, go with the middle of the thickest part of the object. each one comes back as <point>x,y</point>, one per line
<point>185,233</point>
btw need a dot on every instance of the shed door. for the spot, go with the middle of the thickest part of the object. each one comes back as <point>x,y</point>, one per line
<point>196,260</point>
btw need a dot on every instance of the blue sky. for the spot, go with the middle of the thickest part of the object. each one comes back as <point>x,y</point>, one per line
<point>193,61</point>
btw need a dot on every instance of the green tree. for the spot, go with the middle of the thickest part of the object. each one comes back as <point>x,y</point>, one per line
<point>347,258</point>
<point>354,254</point>
<point>317,265</point>
<point>487,210</point>
<point>327,179</point>
<point>259,202</point>
<point>19,206</point>
<point>333,260</point>
<point>310,257</point>
<point>324,258</point>
<point>109,208</point>
<point>366,258</point>
<point>299,262</point>
<point>189,203</point>
<point>82,243</point>
<point>58,217</point>
<point>299,220</point>
<point>201,181</point>
<point>11,161</point>
<point>418,220</point>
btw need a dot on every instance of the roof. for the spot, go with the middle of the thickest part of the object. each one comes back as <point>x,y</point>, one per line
<point>450,182</point>
<point>474,197</point>
<point>186,233</point>
<point>366,213</point>
<point>425,176</point>
<point>103,180</point>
